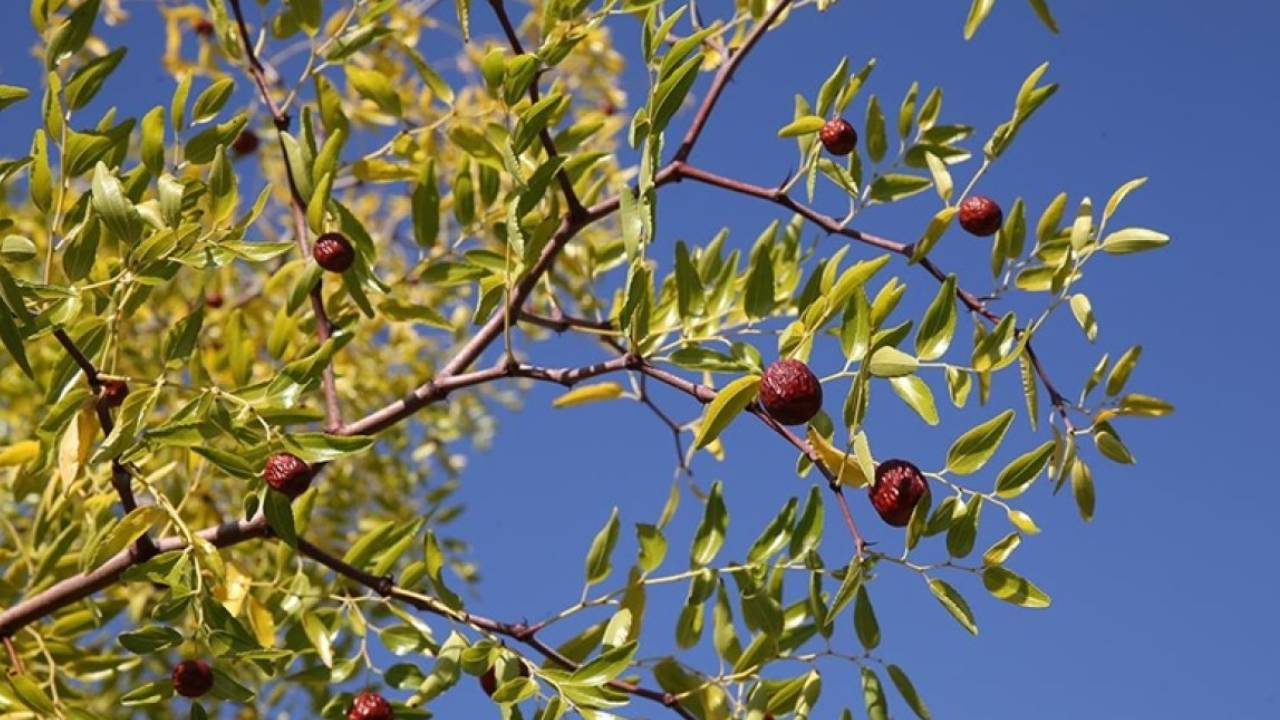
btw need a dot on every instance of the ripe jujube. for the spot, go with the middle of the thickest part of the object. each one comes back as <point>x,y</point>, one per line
<point>838,136</point>
<point>369,705</point>
<point>333,252</point>
<point>192,678</point>
<point>287,473</point>
<point>114,392</point>
<point>980,215</point>
<point>790,392</point>
<point>898,487</point>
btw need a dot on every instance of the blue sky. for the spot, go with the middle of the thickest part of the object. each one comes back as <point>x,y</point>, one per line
<point>1162,606</point>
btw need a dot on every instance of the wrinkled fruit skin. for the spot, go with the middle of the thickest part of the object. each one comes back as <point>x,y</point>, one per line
<point>114,392</point>
<point>333,252</point>
<point>790,392</point>
<point>288,474</point>
<point>899,486</point>
<point>245,143</point>
<point>192,678</point>
<point>980,215</point>
<point>370,705</point>
<point>489,680</point>
<point>838,136</point>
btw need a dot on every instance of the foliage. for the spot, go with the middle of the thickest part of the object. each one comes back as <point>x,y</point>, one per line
<point>491,211</point>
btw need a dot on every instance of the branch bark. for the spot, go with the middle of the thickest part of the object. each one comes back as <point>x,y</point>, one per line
<point>298,212</point>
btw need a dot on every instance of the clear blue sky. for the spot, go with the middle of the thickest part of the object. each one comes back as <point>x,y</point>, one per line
<point>1163,607</point>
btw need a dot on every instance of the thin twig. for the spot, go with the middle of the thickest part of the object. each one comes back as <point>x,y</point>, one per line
<point>520,632</point>
<point>544,135</point>
<point>280,119</point>
<point>14,658</point>
<point>722,78</point>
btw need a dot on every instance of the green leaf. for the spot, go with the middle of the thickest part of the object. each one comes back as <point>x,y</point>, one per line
<point>978,12</point>
<point>1143,405</point>
<point>1042,11</point>
<point>110,203</point>
<point>1023,522</point>
<point>877,141</point>
<point>1132,240</point>
<point>915,393</point>
<point>124,533</point>
<point>962,533</point>
<point>599,557</point>
<point>1123,368</point>
<point>152,148</point>
<point>933,233</point>
<point>373,85</point>
<point>322,447</point>
<point>807,533</point>
<point>211,101</point>
<point>896,186</point>
<point>148,694</point>
<point>873,695</point>
<point>775,536</point>
<point>606,667</point>
<point>709,537</point>
<point>975,447</point>
<point>318,635</point>
<point>10,94</point>
<point>955,604</point>
<point>939,323</point>
<point>86,82</point>
<point>1000,551</point>
<point>671,92</point>
<point>1017,476</point>
<point>803,125</point>
<point>180,340</point>
<point>731,400</point>
<point>72,34</point>
<point>1010,587</point>
<point>279,513</point>
<point>891,362</point>
<point>864,620</point>
<point>12,339</point>
<point>652,546</point>
<point>1082,310</point>
<point>463,8</point>
<point>149,639</point>
<point>1082,489</point>
<point>1119,195</point>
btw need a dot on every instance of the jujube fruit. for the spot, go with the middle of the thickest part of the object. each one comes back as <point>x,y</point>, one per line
<point>980,215</point>
<point>489,680</point>
<point>114,392</point>
<point>898,487</point>
<point>192,678</point>
<point>288,474</point>
<point>333,252</point>
<point>369,705</point>
<point>838,136</point>
<point>790,392</point>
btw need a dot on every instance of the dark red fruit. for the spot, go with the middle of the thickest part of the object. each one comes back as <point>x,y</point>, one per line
<point>213,299</point>
<point>899,486</point>
<point>192,678</point>
<point>838,136</point>
<point>489,680</point>
<point>245,143</point>
<point>203,27</point>
<point>288,474</point>
<point>369,705</point>
<point>790,392</point>
<point>114,392</point>
<point>334,252</point>
<point>980,215</point>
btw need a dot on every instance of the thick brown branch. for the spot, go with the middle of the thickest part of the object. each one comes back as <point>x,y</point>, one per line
<point>519,632</point>
<point>298,212</point>
<point>722,78</point>
<point>79,587</point>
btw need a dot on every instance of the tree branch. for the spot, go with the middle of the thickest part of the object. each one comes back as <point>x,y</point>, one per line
<point>544,135</point>
<point>519,632</point>
<point>121,478</point>
<point>298,212</point>
<point>722,78</point>
<point>836,227</point>
<point>79,587</point>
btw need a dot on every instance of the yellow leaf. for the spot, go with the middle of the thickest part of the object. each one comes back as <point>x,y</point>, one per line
<point>588,393</point>
<point>19,453</point>
<point>263,625</point>
<point>844,465</point>
<point>231,593</point>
